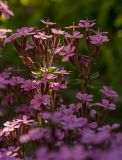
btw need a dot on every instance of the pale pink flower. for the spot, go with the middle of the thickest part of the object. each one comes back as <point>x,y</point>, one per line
<point>47,22</point>
<point>5,10</point>
<point>57,31</point>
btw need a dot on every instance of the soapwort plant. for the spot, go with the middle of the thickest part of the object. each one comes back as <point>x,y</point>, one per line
<point>39,124</point>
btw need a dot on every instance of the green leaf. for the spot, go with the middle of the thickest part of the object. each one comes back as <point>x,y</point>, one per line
<point>94,75</point>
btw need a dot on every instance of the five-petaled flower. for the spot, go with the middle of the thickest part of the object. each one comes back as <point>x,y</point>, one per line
<point>57,31</point>
<point>105,103</point>
<point>3,33</point>
<point>42,35</point>
<point>75,35</point>
<point>98,38</point>
<point>5,10</point>
<point>24,31</point>
<point>47,22</point>
<point>40,100</point>
<point>87,23</point>
<point>108,92</point>
<point>84,97</point>
<point>67,52</point>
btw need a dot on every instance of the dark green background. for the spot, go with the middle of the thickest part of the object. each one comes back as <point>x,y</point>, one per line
<point>108,14</point>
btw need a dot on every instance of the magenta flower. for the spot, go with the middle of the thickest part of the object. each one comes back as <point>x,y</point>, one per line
<point>9,99</point>
<point>57,86</point>
<point>23,109</point>
<point>3,33</point>
<point>75,107</point>
<point>42,36</point>
<point>70,122</point>
<point>58,50</point>
<point>4,10</point>
<point>16,81</point>
<point>67,52</point>
<point>9,153</point>
<point>40,100</point>
<point>28,85</point>
<point>35,134</point>
<point>105,103</point>
<point>57,31</point>
<point>98,38</point>
<point>47,22</point>
<point>108,92</point>
<point>24,31</point>
<point>62,71</point>
<point>87,23</point>
<point>84,97</point>
<point>75,35</point>
<point>48,76</point>
<point>3,82</point>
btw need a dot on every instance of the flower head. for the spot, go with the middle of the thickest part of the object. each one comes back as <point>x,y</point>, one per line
<point>105,103</point>
<point>42,36</point>
<point>86,23</point>
<point>47,22</point>
<point>98,38</point>
<point>84,97</point>
<point>3,33</point>
<point>108,92</point>
<point>24,31</point>
<point>75,35</point>
<point>40,100</point>
<point>10,126</point>
<point>67,52</point>
<point>5,10</point>
<point>57,31</point>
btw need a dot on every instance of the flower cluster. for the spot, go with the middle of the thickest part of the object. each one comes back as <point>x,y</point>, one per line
<point>38,122</point>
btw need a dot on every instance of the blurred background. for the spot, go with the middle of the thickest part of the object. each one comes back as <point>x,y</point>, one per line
<point>108,14</point>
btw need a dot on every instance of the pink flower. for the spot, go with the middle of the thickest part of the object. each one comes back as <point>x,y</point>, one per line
<point>47,22</point>
<point>86,23</point>
<point>25,120</point>
<point>16,81</point>
<point>24,31</point>
<point>42,36</point>
<point>84,97</point>
<point>40,100</point>
<point>5,10</point>
<point>98,38</point>
<point>67,52</point>
<point>75,35</point>
<point>48,76</point>
<point>57,31</point>
<point>57,86</point>
<point>3,33</point>
<point>105,103</point>
<point>3,82</point>
<point>58,50</point>
<point>10,126</point>
<point>28,85</point>
<point>108,92</point>
<point>62,71</point>
<point>72,27</point>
